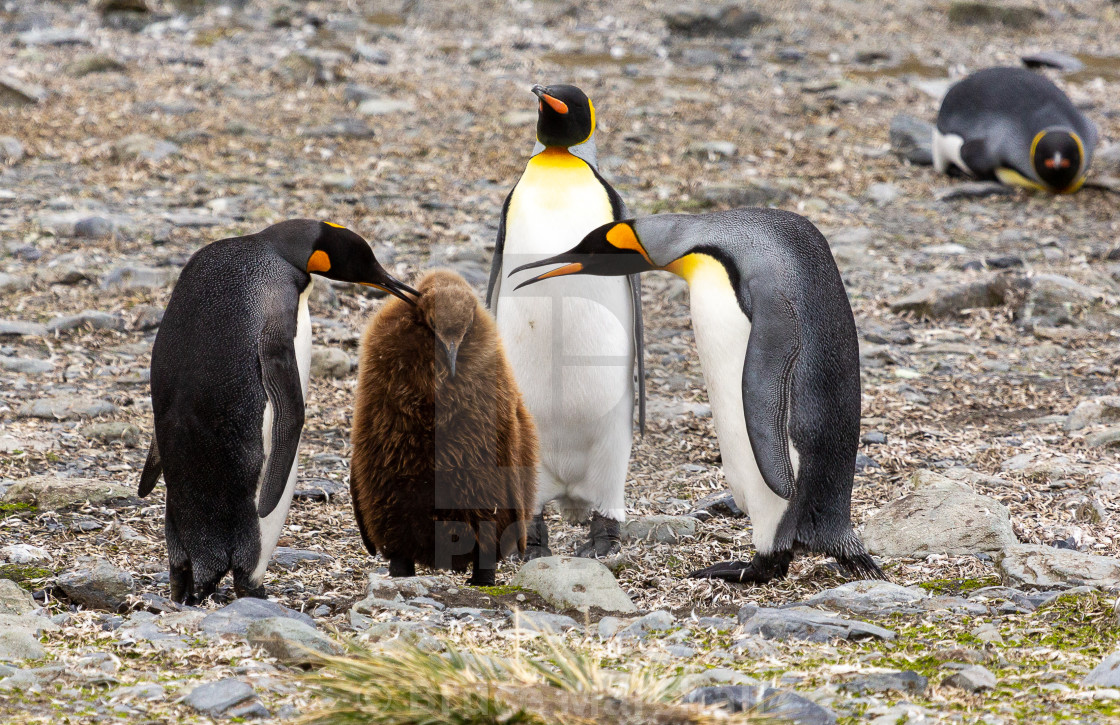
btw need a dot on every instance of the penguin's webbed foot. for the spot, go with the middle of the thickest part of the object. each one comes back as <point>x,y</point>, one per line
<point>401,567</point>
<point>605,541</point>
<point>759,570</point>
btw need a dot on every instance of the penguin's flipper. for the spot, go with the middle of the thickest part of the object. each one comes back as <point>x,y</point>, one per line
<point>153,467</point>
<point>978,157</point>
<point>494,286</point>
<point>639,348</point>
<point>280,375</point>
<point>772,350</point>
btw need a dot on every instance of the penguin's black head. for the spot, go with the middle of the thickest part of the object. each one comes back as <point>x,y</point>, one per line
<point>1057,157</point>
<point>447,306</point>
<point>338,253</point>
<point>565,116</point>
<point>612,250</point>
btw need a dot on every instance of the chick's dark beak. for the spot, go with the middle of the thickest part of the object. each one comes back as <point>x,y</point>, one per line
<point>451,350</point>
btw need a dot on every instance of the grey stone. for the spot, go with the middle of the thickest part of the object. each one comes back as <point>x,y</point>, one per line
<point>1105,409</point>
<point>19,644</point>
<point>12,283</point>
<point>974,12</point>
<point>715,676</point>
<point>94,227</point>
<point>32,623</point>
<point>811,625</point>
<point>95,319</point>
<point>906,681</point>
<point>869,597</point>
<point>912,139</point>
<point>142,691</point>
<point>749,193</point>
<point>17,93</point>
<point>134,277</point>
<point>413,634</point>
<point>660,529</point>
<point>574,583</point>
<point>25,554</point>
<point>1106,161</point>
<point>113,431</point>
<point>320,489</point>
<point>142,147</point>
<point>765,701</point>
<point>1046,567</point>
<point>973,190</point>
<point>195,219</point>
<point>27,366</point>
<point>99,585</point>
<point>1105,674</point>
<point>732,20</point>
<point>52,493</point>
<point>386,587</point>
<point>544,621</point>
<point>384,106</point>
<point>941,518</point>
<point>94,63</point>
<point>235,617</point>
<point>330,362</point>
<point>216,699</point>
<point>289,640</point>
<point>717,504</point>
<point>1052,59</point>
<point>286,558</point>
<point>14,599</point>
<point>66,408</point>
<point>1055,300</point>
<point>11,150</point>
<point>882,194</point>
<point>343,128</point>
<point>338,182</point>
<point>712,150</point>
<point>946,300</point>
<point>1107,438</point>
<point>53,36</point>
<point>19,328</point>
<point>657,621</point>
<point>971,678</point>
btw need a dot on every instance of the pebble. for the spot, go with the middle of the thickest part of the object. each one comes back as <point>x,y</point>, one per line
<point>712,150</point>
<point>971,678</point>
<point>653,622</point>
<point>142,147</point>
<point>1053,59</point>
<point>26,366</point>
<point>19,644</point>
<point>11,150</point>
<point>883,194</point>
<point>568,582</point>
<point>224,698</point>
<point>720,504</point>
<point>1104,409</point>
<point>320,489</point>
<point>18,93</point>
<point>947,300</point>
<point>384,106</point>
<point>14,599</point>
<point>25,554</point>
<point>112,431</point>
<point>1107,438</point>
<point>19,328</point>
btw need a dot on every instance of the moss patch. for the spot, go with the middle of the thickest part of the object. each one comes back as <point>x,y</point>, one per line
<point>500,591</point>
<point>15,509</point>
<point>23,574</point>
<point>939,587</point>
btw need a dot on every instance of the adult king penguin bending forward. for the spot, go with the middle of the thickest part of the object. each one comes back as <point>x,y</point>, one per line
<point>778,346</point>
<point>573,352</point>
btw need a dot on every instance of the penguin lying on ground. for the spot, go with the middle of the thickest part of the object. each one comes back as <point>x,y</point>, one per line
<point>778,346</point>
<point>229,377</point>
<point>443,466</point>
<point>1015,126</point>
<point>574,351</point>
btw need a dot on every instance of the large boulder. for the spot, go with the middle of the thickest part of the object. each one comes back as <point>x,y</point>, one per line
<point>1046,567</point>
<point>941,517</point>
<point>568,582</point>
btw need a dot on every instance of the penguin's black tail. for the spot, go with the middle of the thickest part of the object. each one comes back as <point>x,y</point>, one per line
<point>854,559</point>
<point>153,467</point>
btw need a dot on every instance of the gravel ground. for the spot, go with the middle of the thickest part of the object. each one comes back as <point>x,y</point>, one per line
<point>409,123</point>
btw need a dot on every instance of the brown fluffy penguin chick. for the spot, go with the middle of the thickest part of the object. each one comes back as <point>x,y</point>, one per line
<point>444,459</point>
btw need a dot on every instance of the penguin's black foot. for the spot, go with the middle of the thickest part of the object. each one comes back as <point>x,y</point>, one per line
<point>401,567</point>
<point>481,578</point>
<point>536,540</point>
<point>605,541</point>
<point>243,590</point>
<point>535,552</point>
<point>759,570</point>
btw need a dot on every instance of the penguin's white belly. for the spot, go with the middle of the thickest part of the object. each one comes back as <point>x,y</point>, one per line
<point>569,340</point>
<point>271,525</point>
<point>947,151</point>
<point>722,334</point>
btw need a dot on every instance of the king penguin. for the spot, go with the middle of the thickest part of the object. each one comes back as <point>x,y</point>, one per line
<point>1015,126</point>
<point>229,376</point>
<point>573,352</point>
<point>777,343</point>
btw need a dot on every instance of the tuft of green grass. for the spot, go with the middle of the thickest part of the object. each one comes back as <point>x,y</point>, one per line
<point>405,686</point>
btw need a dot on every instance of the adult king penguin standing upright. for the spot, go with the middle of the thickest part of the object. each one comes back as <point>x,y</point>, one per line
<point>572,348</point>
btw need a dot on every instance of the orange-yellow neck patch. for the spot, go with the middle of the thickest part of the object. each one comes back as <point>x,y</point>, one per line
<point>700,268</point>
<point>320,261</point>
<point>622,236</point>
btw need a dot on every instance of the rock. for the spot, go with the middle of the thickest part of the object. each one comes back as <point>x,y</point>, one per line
<point>17,93</point>
<point>712,150</point>
<point>26,366</point>
<point>289,640</point>
<point>653,622</point>
<point>53,36</point>
<point>869,597</point>
<point>386,587</point>
<point>99,585</point>
<point>10,282</point>
<point>14,599</point>
<point>912,139</point>
<point>19,328</point>
<point>235,617</point>
<point>717,504</point>
<point>94,319</point>
<point>1106,674</point>
<point>1106,162</point>
<point>131,277</point>
<point>66,408</point>
<point>1055,300</point>
<point>1053,59</point>
<point>939,518</point>
<point>19,644</point>
<point>384,106</point>
<point>730,21</point>
<point>748,193</point>
<point>11,150</point>
<point>221,698</point>
<point>973,190</point>
<point>544,622</point>
<point>301,69</point>
<point>659,529</point>
<point>1105,409</point>
<point>946,300</point>
<point>908,682</point>
<point>142,691</point>
<point>113,431</point>
<point>1045,567</point>
<point>142,147</point>
<point>971,12</point>
<point>52,493</point>
<point>568,582</point>
<point>286,558</point>
<point>25,554</point>
<point>804,623</point>
<point>320,489</point>
<point>344,128</point>
<point>195,219</point>
<point>971,678</point>
<point>329,362</point>
<point>1107,438</point>
<point>96,63</point>
<point>882,194</point>
<point>764,701</point>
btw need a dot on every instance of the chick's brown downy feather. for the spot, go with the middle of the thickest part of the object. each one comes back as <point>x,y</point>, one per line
<point>443,469</point>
